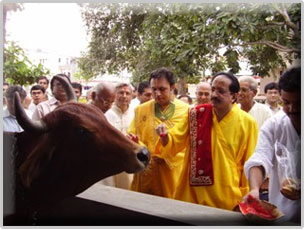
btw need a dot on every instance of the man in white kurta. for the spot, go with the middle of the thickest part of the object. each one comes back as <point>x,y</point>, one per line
<point>120,116</point>
<point>119,119</point>
<point>277,134</point>
<point>260,113</point>
<point>278,151</point>
<point>247,92</point>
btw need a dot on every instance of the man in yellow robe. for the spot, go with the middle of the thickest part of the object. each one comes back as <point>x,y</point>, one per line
<point>161,176</point>
<point>212,172</point>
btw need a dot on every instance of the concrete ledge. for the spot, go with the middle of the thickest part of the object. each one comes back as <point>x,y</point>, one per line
<point>183,212</point>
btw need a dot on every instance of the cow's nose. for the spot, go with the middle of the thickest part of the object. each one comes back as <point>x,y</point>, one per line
<point>144,156</point>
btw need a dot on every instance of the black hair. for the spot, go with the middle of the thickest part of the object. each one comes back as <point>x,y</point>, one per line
<point>142,86</point>
<point>59,75</point>
<point>271,85</point>
<point>163,72</point>
<point>234,86</point>
<point>190,100</point>
<point>38,87</point>
<point>290,80</point>
<point>41,78</point>
<point>76,85</point>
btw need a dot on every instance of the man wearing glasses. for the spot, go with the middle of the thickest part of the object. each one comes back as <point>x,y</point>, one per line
<point>248,90</point>
<point>59,98</point>
<point>103,96</point>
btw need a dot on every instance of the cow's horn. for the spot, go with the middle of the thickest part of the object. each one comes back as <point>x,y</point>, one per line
<point>24,121</point>
<point>68,88</point>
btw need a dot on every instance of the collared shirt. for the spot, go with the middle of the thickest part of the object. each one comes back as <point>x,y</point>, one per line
<point>278,136</point>
<point>10,123</point>
<point>44,108</point>
<point>118,119</point>
<point>274,111</point>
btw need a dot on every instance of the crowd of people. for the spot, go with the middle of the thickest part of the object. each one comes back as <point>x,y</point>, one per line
<point>216,152</point>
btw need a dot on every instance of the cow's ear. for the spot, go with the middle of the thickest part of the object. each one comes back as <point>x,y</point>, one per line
<point>33,166</point>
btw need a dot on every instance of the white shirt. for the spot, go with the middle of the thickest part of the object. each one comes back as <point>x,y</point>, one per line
<point>278,136</point>
<point>32,107</point>
<point>10,123</point>
<point>274,111</point>
<point>260,113</point>
<point>120,120</point>
<point>134,103</point>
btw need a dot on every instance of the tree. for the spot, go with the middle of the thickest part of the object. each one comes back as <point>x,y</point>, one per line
<point>18,69</point>
<point>191,38</point>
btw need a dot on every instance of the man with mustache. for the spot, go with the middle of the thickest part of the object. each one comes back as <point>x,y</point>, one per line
<point>162,174</point>
<point>60,97</point>
<point>247,92</point>
<point>280,142</point>
<point>219,138</point>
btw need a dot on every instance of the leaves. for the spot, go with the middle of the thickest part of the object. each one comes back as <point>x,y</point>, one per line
<point>190,38</point>
<point>18,69</point>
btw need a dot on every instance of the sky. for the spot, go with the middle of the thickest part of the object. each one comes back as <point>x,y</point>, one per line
<point>50,27</point>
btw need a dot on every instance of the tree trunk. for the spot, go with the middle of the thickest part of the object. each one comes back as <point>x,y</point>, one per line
<point>182,86</point>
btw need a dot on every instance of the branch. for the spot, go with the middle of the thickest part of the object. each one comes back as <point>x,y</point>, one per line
<point>274,45</point>
<point>288,22</point>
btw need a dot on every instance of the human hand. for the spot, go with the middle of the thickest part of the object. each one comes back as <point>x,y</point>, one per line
<point>253,194</point>
<point>133,137</point>
<point>161,130</point>
<point>163,134</point>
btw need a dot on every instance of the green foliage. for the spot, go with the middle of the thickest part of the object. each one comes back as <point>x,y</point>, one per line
<point>190,38</point>
<point>18,69</point>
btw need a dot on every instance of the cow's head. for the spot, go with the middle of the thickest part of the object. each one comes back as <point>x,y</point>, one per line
<point>72,148</point>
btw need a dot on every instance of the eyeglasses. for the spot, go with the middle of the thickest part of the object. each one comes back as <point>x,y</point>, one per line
<point>244,90</point>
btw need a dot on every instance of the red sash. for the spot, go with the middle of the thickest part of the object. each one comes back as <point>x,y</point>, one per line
<point>201,121</point>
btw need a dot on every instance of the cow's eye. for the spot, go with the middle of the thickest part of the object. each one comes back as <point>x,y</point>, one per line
<point>83,133</point>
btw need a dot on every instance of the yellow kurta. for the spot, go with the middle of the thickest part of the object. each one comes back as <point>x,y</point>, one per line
<point>160,177</point>
<point>233,142</point>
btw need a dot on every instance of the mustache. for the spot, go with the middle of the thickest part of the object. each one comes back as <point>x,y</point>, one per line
<point>215,99</point>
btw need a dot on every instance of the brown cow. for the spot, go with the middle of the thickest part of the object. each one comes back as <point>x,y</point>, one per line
<point>70,149</point>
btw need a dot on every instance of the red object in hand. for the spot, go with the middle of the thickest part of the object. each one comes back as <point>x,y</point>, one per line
<point>260,209</point>
<point>162,134</point>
